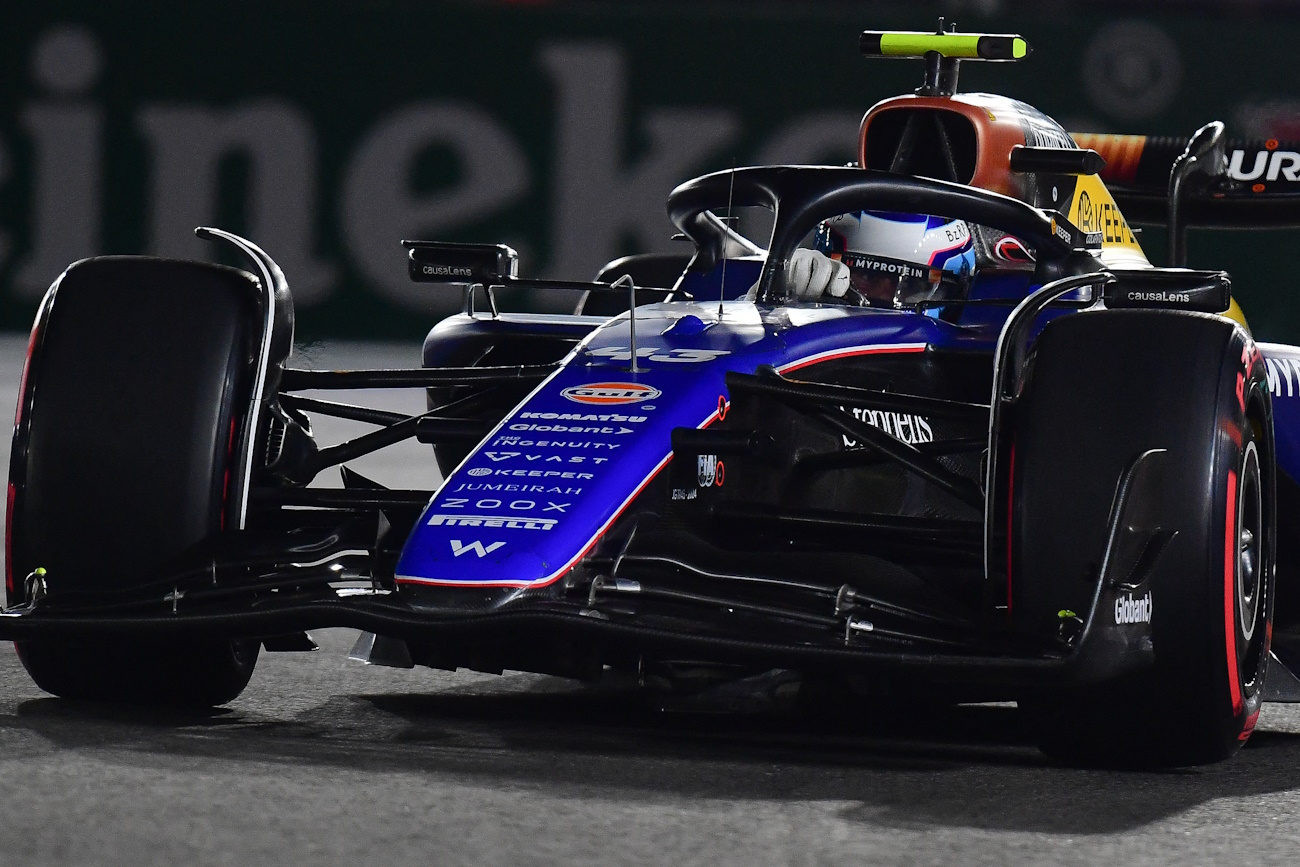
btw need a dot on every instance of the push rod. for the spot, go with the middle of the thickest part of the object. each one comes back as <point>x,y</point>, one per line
<point>340,498</point>
<point>347,411</point>
<point>301,380</point>
<point>430,426</point>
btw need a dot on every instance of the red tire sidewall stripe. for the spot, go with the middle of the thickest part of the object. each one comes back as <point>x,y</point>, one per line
<point>1011,504</point>
<point>1230,594</point>
<point>10,581</point>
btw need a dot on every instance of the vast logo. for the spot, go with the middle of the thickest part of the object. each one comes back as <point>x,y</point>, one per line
<point>607,393</point>
<point>476,546</point>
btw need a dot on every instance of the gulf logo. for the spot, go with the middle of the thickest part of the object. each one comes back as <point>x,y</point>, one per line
<point>610,393</point>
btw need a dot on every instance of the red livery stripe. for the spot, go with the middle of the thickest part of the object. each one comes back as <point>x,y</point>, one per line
<point>1230,592</point>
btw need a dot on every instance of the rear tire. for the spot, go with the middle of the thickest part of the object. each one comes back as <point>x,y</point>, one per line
<point>129,432</point>
<point>654,270</point>
<point>1101,389</point>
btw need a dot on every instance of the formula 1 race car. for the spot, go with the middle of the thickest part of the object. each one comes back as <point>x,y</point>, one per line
<point>1058,482</point>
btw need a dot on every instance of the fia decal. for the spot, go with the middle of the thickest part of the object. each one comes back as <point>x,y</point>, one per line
<point>709,471</point>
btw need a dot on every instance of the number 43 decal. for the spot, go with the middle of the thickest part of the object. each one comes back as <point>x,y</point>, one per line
<point>676,356</point>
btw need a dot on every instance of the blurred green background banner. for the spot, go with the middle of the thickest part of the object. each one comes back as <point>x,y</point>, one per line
<point>328,131</point>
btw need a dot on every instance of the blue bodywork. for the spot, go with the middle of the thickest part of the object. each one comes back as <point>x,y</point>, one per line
<point>542,487</point>
<point>1283,363</point>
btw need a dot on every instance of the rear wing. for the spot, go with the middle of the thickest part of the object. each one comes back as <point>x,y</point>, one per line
<point>1255,185</point>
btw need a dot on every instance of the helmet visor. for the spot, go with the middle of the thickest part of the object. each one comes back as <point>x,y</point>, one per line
<point>885,282</point>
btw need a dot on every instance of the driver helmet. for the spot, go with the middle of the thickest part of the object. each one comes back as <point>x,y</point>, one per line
<point>898,259</point>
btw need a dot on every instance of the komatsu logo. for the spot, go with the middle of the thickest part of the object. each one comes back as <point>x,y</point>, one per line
<point>1130,610</point>
<point>586,416</point>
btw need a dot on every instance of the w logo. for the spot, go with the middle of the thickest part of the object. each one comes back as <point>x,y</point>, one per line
<point>477,547</point>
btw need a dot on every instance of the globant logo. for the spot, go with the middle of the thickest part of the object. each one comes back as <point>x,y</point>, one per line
<point>1130,610</point>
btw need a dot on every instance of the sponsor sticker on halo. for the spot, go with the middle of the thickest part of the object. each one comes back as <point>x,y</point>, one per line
<point>610,393</point>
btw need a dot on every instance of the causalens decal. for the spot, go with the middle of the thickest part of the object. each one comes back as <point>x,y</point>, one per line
<point>554,475</point>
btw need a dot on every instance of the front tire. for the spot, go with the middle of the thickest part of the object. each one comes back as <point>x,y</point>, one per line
<point>1103,388</point>
<point>128,435</point>
<point>190,672</point>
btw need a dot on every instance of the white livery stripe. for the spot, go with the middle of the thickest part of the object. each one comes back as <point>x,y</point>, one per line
<point>849,352</point>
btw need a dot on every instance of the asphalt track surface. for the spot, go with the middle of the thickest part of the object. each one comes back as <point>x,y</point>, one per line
<point>325,761</point>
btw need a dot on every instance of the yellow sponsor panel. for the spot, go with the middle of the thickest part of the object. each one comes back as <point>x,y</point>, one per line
<point>1235,313</point>
<point>1094,211</point>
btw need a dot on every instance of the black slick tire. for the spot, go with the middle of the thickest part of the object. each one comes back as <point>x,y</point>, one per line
<point>1101,389</point>
<point>138,381</point>
<point>185,673</point>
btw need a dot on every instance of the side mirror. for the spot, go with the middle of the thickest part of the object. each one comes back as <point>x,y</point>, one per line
<point>441,262</point>
<point>1204,291</point>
